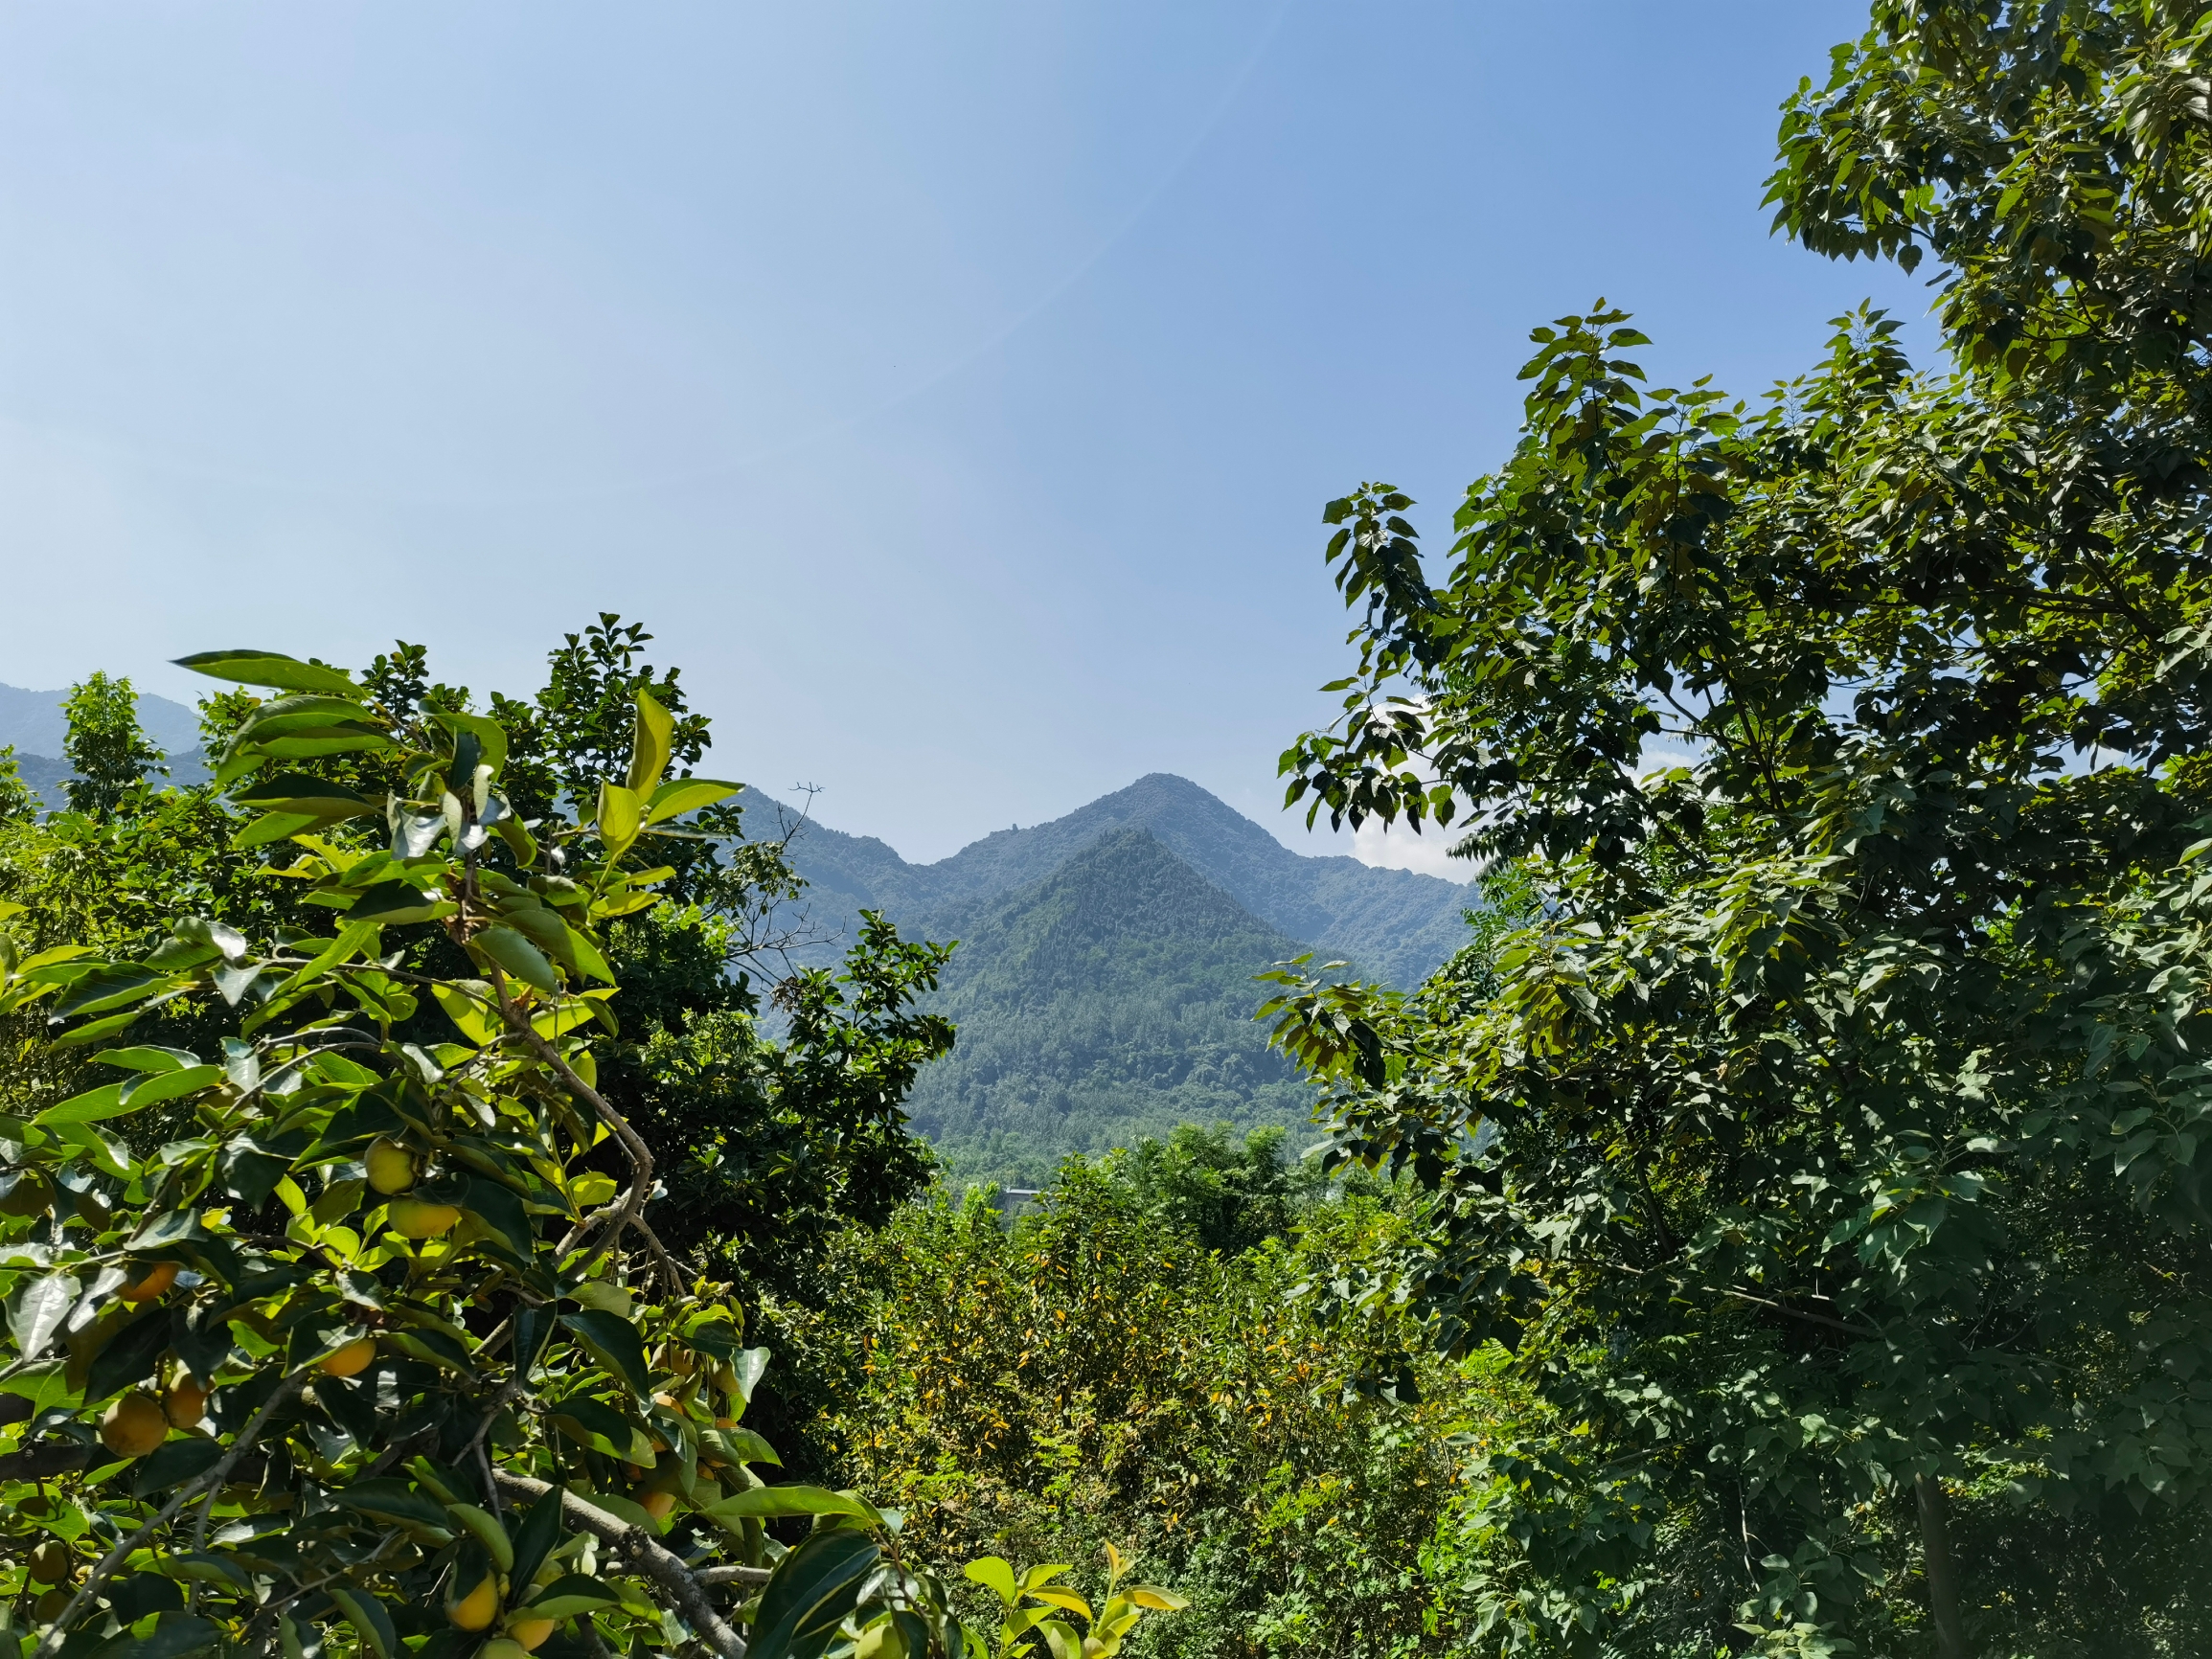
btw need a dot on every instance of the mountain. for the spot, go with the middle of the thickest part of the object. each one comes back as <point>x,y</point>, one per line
<point>1110,998</point>
<point>33,721</point>
<point>1391,922</point>
<point>1104,986</point>
<point>34,724</point>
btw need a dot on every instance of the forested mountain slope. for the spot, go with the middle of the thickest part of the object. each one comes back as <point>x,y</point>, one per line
<point>1111,999</point>
<point>1391,922</point>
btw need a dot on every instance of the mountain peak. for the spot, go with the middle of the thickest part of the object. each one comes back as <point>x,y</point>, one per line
<point>1392,921</point>
<point>1110,998</point>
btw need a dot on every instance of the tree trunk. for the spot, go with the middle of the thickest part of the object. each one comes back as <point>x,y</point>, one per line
<point>1942,1576</point>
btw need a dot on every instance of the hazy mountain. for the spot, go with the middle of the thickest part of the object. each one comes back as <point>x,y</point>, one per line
<point>1391,922</point>
<point>33,721</point>
<point>1108,999</point>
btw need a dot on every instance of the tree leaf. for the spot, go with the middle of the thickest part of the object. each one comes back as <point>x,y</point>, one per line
<point>536,1535</point>
<point>619,818</point>
<point>760,1503</point>
<point>614,1342</point>
<point>570,1593</point>
<point>392,903</point>
<point>649,746</point>
<point>681,795</point>
<point>38,1310</point>
<point>146,1058</point>
<point>995,1574</point>
<point>174,1635</point>
<point>142,1092</point>
<point>369,1618</point>
<point>490,735</point>
<point>518,957</point>
<point>816,1585</point>
<point>273,669</point>
<point>304,793</point>
<point>469,1014</point>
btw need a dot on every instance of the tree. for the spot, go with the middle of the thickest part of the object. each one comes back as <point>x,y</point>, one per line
<point>18,802</point>
<point>109,752</point>
<point>367,1360</point>
<point>1097,1366</point>
<point>765,1147</point>
<point>1829,1141</point>
<point>2051,161</point>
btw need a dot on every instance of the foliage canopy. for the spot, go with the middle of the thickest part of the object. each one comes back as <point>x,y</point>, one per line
<point>1831,1141</point>
<point>334,1334</point>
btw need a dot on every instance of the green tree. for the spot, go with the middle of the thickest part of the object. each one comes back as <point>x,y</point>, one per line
<point>1829,1142</point>
<point>367,1358</point>
<point>1227,1194</point>
<point>18,802</point>
<point>2051,161</point>
<point>111,755</point>
<point>766,1146</point>
<point>1095,1371</point>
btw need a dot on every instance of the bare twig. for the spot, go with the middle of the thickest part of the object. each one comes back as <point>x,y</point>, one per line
<point>684,1590</point>
<point>712,1575</point>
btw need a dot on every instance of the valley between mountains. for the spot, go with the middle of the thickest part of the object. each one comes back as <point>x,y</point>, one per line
<point>1104,986</point>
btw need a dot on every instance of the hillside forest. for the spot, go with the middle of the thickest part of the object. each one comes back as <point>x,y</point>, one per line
<point>459,1199</point>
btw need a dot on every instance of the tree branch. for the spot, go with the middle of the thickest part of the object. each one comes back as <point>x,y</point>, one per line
<point>684,1589</point>
<point>632,1143</point>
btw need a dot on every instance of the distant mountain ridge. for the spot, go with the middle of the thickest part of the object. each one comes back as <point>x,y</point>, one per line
<point>33,721</point>
<point>34,724</point>
<point>1104,983</point>
<point>1392,922</point>
<point>1111,998</point>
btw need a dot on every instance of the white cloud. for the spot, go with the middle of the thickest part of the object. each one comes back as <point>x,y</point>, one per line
<point>1427,852</point>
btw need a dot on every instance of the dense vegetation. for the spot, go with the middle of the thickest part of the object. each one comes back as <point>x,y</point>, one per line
<point>1109,1001</point>
<point>346,1328</point>
<point>1133,1358</point>
<point>1782,1228</point>
<point>1830,1146</point>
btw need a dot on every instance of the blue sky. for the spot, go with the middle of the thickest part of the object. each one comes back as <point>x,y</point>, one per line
<point>952,389</point>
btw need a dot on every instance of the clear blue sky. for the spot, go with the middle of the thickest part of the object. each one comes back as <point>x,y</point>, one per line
<point>953,389</point>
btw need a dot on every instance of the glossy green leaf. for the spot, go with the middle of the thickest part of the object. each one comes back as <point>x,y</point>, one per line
<point>681,795</point>
<point>475,1016</point>
<point>619,818</point>
<point>995,1574</point>
<point>147,1057</point>
<point>571,1594</point>
<point>517,957</point>
<point>370,1618</point>
<point>394,903</point>
<point>614,1342</point>
<point>269,669</point>
<point>760,1503</point>
<point>490,735</point>
<point>293,793</point>
<point>814,1587</point>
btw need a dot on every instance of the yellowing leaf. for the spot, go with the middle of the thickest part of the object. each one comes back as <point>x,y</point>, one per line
<point>620,817</point>
<point>649,748</point>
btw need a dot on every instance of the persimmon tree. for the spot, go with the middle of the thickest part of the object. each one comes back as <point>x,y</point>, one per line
<point>330,1340</point>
